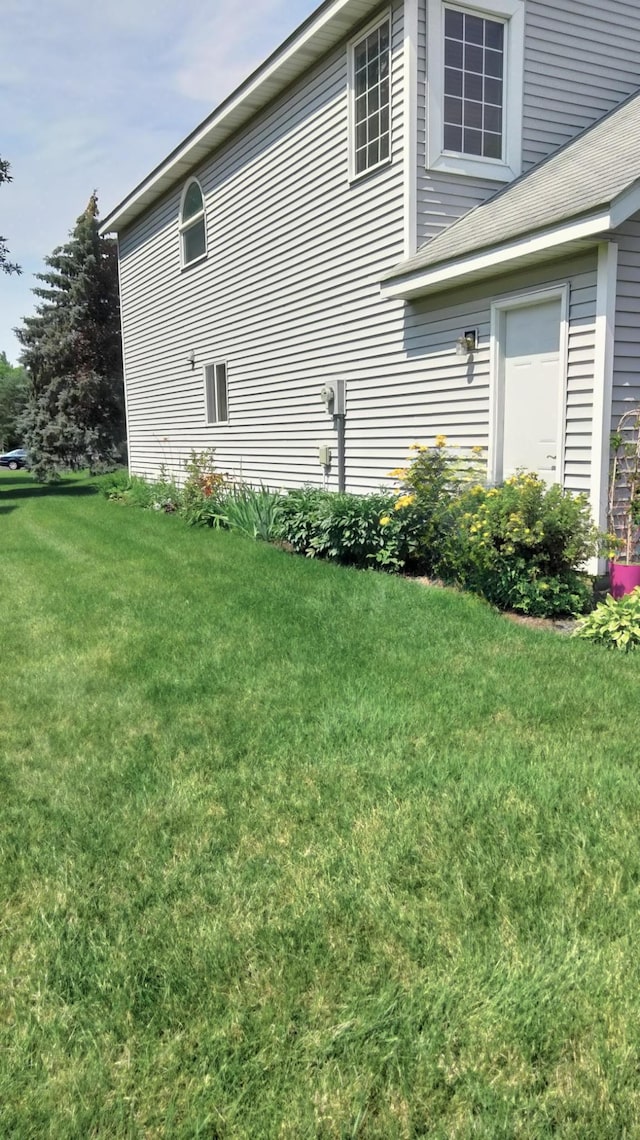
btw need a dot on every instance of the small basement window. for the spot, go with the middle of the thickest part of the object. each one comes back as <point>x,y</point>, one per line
<point>370,63</point>
<point>193,235</point>
<point>215,393</point>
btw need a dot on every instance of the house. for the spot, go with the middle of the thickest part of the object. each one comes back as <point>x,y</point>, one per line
<point>429,208</point>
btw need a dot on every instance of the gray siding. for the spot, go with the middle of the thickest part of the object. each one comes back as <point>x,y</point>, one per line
<point>581,61</point>
<point>626,369</point>
<point>424,389</point>
<point>288,296</point>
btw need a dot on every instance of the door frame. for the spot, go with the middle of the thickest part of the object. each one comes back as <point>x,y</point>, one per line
<point>499,309</point>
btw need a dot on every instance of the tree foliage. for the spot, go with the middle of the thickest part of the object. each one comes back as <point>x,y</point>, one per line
<point>6,266</point>
<point>13,401</point>
<point>72,351</point>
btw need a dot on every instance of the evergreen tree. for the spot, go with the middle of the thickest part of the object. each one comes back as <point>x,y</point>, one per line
<point>5,265</point>
<point>13,401</point>
<point>72,352</point>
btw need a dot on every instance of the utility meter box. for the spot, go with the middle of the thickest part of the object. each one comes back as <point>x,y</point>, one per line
<point>333,395</point>
<point>324,455</point>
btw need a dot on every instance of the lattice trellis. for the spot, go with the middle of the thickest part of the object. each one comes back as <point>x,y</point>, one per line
<point>624,487</point>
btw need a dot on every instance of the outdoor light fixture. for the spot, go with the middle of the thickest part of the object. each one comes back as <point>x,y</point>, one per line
<point>192,359</point>
<point>467,342</point>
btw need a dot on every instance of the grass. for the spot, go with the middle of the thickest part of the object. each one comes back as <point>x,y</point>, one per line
<point>289,850</point>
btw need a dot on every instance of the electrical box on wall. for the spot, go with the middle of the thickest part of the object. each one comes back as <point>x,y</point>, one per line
<point>324,455</point>
<point>333,395</point>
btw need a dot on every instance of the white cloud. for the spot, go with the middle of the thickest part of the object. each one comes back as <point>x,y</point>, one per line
<point>94,96</point>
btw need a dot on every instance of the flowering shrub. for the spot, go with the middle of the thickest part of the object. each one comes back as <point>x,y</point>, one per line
<point>521,546</point>
<point>426,489</point>
<point>357,530</point>
<point>203,490</point>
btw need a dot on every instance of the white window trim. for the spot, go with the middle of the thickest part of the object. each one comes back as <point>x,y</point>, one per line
<point>494,169</point>
<point>184,226</point>
<point>499,309</point>
<point>214,364</point>
<point>385,18</point>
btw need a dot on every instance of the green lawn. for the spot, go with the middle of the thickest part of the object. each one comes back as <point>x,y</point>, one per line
<point>293,851</point>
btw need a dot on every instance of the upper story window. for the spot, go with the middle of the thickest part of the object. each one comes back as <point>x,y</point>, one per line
<point>370,61</point>
<point>193,235</point>
<point>475,82</point>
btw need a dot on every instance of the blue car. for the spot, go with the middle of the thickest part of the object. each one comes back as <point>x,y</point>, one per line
<point>14,460</point>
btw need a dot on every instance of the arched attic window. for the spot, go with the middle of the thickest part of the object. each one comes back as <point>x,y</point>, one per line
<point>193,235</point>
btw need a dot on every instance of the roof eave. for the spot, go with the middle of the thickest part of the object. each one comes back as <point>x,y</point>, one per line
<point>574,235</point>
<point>317,35</point>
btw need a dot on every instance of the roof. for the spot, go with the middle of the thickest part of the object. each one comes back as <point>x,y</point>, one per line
<point>586,188</point>
<point>321,31</point>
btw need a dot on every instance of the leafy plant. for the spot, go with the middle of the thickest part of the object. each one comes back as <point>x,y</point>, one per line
<point>134,491</point>
<point>356,530</point>
<point>520,545</point>
<point>254,512</point>
<point>615,624</point>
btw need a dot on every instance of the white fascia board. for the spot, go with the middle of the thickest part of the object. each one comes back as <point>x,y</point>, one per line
<point>625,205</point>
<point>263,85</point>
<point>441,276</point>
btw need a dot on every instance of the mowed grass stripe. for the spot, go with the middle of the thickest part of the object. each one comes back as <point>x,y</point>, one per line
<point>289,850</point>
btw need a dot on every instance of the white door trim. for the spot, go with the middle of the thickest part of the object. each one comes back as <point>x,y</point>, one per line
<point>499,310</point>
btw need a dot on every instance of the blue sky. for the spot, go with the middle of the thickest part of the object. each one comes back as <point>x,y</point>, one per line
<point>93,96</point>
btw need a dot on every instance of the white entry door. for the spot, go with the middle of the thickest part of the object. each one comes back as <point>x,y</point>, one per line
<point>532,383</point>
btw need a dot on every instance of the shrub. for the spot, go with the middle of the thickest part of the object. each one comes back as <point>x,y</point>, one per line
<point>428,486</point>
<point>255,513</point>
<point>203,491</point>
<point>615,624</point>
<point>356,530</point>
<point>114,484</point>
<point>134,491</point>
<point>521,546</point>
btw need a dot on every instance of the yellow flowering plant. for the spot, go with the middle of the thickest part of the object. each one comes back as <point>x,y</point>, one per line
<point>522,545</point>
<point>427,487</point>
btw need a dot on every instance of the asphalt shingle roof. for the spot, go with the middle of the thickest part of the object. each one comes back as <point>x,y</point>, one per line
<point>587,173</point>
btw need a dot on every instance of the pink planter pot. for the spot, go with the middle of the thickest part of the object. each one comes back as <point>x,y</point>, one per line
<point>623,579</point>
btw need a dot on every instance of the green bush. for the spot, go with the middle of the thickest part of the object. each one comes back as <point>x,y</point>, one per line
<point>134,491</point>
<point>520,545</point>
<point>356,530</point>
<point>615,624</point>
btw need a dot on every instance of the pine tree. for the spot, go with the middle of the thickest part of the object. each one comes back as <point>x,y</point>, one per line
<point>5,265</point>
<point>72,352</point>
<point>13,401</point>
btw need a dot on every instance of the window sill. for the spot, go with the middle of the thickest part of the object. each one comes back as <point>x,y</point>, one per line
<point>217,423</point>
<point>353,177</point>
<point>196,261</point>
<point>486,168</point>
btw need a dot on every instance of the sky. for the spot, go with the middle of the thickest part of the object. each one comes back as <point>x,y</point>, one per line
<point>93,96</point>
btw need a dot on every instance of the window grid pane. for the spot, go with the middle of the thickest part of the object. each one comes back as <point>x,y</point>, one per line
<point>474,91</point>
<point>194,242</point>
<point>371,60</point>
